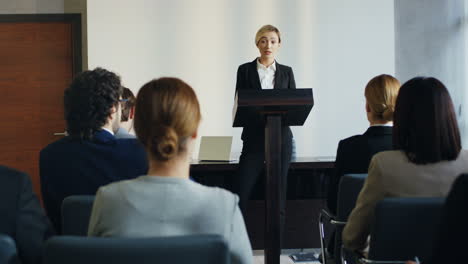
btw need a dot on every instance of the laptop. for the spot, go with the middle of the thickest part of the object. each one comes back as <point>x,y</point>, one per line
<point>215,148</point>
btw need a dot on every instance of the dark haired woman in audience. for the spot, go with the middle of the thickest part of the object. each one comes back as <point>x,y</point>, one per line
<point>426,160</point>
<point>165,202</point>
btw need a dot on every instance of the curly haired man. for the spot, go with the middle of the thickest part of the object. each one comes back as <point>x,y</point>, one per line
<point>90,156</point>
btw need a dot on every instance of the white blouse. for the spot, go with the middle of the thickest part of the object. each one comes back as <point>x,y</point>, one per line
<point>266,75</point>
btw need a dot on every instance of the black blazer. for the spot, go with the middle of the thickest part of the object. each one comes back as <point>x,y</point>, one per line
<point>71,166</point>
<point>354,155</point>
<point>22,217</point>
<point>247,78</point>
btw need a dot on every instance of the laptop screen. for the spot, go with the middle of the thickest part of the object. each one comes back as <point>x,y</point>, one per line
<point>215,148</point>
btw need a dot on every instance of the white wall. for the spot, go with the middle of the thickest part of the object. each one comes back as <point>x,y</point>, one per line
<point>334,46</point>
<point>431,41</point>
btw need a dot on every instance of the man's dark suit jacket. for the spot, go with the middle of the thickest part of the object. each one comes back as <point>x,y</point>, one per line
<point>247,78</point>
<point>22,217</point>
<point>72,166</point>
<point>354,155</point>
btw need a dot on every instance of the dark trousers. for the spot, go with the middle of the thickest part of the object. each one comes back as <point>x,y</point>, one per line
<point>251,165</point>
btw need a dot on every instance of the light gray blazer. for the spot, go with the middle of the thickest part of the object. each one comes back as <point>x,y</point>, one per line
<point>391,174</point>
<point>123,133</point>
<point>167,206</point>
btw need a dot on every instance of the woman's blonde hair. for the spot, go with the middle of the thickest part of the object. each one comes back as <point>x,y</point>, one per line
<point>264,29</point>
<point>167,113</point>
<point>381,93</point>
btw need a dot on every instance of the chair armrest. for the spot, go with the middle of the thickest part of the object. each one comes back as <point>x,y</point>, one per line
<point>327,214</point>
<point>330,218</point>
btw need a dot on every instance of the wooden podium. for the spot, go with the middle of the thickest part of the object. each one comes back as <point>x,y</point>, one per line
<point>277,108</point>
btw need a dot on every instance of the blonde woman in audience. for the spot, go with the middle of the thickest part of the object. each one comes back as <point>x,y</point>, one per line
<point>165,202</point>
<point>354,153</point>
<point>426,161</point>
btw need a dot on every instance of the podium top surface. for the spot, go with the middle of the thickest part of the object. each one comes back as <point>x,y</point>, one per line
<point>293,104</point>
<point>272,97</point>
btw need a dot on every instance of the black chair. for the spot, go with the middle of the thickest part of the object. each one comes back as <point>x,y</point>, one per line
<point>196,249</point>
<point>76,211</point>
<point>348,190</point>
<point>8,252</point>
<point>404,228</point>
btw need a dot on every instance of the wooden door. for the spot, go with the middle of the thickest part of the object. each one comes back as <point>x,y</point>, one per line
<point>37,62</point>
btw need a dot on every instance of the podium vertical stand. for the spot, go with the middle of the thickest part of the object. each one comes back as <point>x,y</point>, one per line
<point>277,107</point>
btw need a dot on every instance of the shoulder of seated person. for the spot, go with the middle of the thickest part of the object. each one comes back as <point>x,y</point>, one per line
<point>111,187</point>
<point>213,189</point>
<point>350,140</point>
<point>387,154</point>
<point>10,175</point>
<point>10,171</point>
<point>57,144</point>
<point>216,192</point>
<point>127,140</point>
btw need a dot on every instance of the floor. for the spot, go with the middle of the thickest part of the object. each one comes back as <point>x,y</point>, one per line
<point>259,257</point>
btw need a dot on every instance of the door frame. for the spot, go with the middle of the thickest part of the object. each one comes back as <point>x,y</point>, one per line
<point>73,19</point>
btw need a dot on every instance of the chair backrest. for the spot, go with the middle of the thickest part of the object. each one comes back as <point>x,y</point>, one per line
<point>194,249</point>
<point>8,252</point>
<point>348,191</point>
<point>404,228</point>
<point>76,211</point>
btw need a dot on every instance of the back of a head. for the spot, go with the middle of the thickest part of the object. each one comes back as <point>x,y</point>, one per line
<point>381,93</point>
<point>127,95</point>
<point>88,101</point>
<point>425,125</point>
<point>167,114</point>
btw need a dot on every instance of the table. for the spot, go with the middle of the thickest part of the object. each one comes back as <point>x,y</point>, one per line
<point>307,189</point>
<point>299,163</point>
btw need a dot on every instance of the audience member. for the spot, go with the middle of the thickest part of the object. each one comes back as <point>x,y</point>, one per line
<point>449,246</point>
<point>354,153</point>
<point>426,160</point>
<point>90,156</point>
<point>128,113</point>
<point>165,202</point>
<point>22,216</point>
